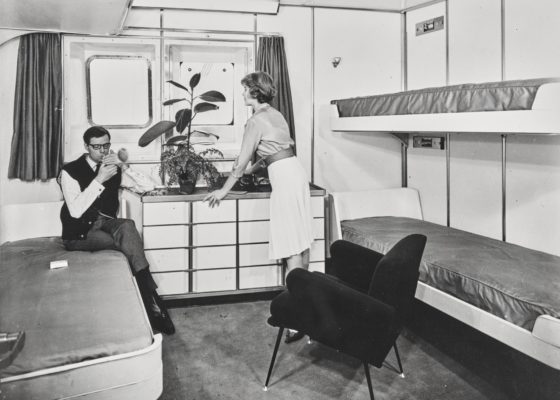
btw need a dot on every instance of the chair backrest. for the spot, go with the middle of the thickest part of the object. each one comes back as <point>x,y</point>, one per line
<point>396,275</point>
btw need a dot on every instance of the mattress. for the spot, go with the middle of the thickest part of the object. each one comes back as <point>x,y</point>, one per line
<point>492,96</point>
<point>512,282</point>
<point>86,311</point>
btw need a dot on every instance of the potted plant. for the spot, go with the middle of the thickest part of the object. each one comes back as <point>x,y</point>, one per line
<point>179,160</point>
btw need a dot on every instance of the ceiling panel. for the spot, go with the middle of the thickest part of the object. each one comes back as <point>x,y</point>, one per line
<point>76,16</point>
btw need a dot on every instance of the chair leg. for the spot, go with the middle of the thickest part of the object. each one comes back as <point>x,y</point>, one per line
<point>398,360</point>
<point>368,378</point>
<point>278,339</point>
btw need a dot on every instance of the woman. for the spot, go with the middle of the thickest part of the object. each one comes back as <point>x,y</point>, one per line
<point>267,134</point>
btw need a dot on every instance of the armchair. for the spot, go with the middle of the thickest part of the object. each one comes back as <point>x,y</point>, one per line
<point>361,309</point>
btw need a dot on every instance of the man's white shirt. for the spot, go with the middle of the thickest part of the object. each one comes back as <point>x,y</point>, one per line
<point>78,202</point>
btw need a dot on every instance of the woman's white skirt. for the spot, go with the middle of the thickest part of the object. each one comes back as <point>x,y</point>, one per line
<point>291,219</point>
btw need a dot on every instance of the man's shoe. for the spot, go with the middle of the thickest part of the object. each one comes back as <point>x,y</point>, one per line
<point>159,316</point>
<point>293,336</point>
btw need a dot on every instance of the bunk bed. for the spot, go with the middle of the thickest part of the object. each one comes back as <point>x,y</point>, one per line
<point>521,106</point>
<point>86,332</point>
<point>505,291</point>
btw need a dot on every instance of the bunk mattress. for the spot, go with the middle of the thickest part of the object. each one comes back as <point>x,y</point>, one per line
<point>514,283</point>
<point>88,311</point>
<point>492,96</point>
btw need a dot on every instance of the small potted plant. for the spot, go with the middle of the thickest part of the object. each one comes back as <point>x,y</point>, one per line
<point>179,160</point>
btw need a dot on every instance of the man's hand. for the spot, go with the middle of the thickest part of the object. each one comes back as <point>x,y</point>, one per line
<point>111,159</point>
<point>106,172</point>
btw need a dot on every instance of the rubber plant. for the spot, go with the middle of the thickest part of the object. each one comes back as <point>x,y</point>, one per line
<point>179,160</point>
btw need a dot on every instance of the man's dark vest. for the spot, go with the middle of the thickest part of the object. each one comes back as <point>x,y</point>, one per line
<point>107,202</point>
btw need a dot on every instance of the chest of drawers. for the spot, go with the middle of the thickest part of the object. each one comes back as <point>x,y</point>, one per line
<point>195,250</point>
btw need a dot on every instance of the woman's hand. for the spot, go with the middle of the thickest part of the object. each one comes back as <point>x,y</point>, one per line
<point>215,197</point>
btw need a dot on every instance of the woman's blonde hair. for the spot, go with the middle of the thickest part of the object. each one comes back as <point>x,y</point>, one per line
<point>261,86</point>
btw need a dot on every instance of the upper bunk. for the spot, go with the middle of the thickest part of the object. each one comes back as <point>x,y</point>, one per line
<point>508,107</point>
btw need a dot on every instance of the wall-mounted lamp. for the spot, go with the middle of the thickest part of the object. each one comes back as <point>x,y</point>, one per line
<point>335,61</point>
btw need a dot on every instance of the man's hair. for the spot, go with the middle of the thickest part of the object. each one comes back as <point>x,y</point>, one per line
<point>95,132</point>
<point>261,86</point>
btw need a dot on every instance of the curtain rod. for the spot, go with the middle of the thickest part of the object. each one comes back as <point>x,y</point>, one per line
<point>218,32</point>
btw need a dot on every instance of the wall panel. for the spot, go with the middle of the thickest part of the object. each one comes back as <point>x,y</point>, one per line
<point>533,195</point>
<point>476,184</point>
<point>532,39</point>
<point>369,46</point>
<point>426,53</point>
<point>475,49</point>
<point>295,25</point>
<point>427,68</point>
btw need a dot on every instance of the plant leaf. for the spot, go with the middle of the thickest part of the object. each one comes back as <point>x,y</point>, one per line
<point>213,95</point>
<point>194,80</point>
<point>172,101</point>
<point>202,107</point>
<point>178,85</point>
<point>155,131</point>
<point>182,118</point>
<point>175,139</point>
<point>206,133</point>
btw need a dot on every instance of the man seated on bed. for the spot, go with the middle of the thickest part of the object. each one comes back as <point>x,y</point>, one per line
<point>90,186</point>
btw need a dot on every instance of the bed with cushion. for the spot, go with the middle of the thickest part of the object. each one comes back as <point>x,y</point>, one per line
<point>86,332</point>
<point>520,106</point>
<point>506,291</point>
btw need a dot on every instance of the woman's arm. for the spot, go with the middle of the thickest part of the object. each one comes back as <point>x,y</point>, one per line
<point>251,139</point>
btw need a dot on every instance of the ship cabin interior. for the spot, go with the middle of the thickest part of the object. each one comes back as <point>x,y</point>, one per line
<point>429,131</point>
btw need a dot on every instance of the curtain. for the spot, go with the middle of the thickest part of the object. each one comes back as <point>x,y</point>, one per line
<point>36,151</point>
<point>271,58</point>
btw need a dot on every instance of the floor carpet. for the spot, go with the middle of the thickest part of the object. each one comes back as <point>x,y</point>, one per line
<point>223,352</point>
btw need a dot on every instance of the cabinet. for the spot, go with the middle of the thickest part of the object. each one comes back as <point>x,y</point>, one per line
<point>195,250</point>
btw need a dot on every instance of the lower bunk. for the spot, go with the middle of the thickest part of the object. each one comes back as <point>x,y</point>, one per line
<point>503,290</point>
<point>87,335</point>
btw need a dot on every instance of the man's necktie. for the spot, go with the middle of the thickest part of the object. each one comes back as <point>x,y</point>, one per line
<point>97,168</point>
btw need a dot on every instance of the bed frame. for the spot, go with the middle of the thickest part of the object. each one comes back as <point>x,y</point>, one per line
<point>542,343</point>
<point>543,118</point>
<point>134,375</point>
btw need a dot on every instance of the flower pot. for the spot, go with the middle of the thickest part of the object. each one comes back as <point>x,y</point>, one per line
<point>187,185</point>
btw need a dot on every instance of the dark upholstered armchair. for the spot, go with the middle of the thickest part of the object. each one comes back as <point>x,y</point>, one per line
<point>361,309</point>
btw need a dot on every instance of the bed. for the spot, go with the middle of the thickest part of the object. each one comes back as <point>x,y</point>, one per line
<point>520,106</point>
<point>86,332</point>
<point>503,290</point>
<point>466,276</point>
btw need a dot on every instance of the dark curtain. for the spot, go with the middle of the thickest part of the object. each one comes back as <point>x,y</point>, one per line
<point>271,58</point>
<point>37,139</point>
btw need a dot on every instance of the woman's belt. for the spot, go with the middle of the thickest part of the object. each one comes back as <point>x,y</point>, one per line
<point>279,155</point>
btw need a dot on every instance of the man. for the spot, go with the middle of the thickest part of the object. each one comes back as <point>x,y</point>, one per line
<point>90,187</point>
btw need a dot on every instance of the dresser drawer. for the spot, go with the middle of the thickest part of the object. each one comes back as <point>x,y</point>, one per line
<point>317,251</point>
<point>252,209</point>
<point>214,257</point>
<point>168,259</point>
<point>166,213</point>
<point>214,234</point>
<point>318,206</point>
<point>213,280</point>
<point>319,228</point>
<point>254,231</point>
<point>254,277</point>
<point>254,254</point>
<point>156,237</point>
<point>172,282</point>
<point>202,212</point>
<point>318,266</point>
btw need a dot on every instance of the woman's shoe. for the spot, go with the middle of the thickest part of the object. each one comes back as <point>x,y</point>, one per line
<point>293,336</point>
